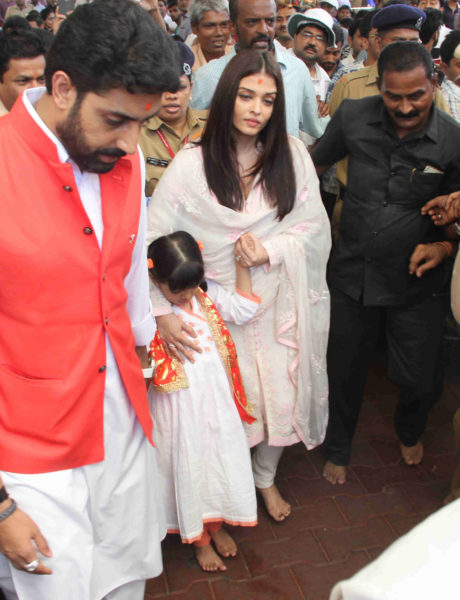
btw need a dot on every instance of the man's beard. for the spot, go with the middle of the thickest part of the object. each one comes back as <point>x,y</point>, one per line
<point>329,67</point>
<point>72,136</point>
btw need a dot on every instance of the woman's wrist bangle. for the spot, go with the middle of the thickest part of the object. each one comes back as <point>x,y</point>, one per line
<point>9,511</point>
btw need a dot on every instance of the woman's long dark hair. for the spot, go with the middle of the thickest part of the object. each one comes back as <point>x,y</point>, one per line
<point>219,146</point>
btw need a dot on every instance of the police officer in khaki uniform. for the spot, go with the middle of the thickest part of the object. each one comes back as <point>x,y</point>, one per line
<point>173,127</point>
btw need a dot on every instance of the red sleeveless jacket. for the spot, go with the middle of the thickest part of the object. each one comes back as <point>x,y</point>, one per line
<point>59,295</point>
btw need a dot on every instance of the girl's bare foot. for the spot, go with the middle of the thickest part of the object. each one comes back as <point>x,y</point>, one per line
<point>335,473</point>
<point>225,545</point>
<point>276,507</point>
<point>208,559</point>
<point>412,455</point>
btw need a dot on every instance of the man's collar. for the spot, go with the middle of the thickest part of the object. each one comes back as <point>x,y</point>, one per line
<point>381,117</point>
<point>30,98</point>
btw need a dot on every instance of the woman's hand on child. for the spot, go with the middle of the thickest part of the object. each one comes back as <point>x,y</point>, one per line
<point>176,337</point>
<point>251,251</point>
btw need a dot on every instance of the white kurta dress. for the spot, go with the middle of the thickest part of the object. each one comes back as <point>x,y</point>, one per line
<point>203,454</point>
<point>103,522</point>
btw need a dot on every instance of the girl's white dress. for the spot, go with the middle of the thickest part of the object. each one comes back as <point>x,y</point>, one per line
<point>202,450</point>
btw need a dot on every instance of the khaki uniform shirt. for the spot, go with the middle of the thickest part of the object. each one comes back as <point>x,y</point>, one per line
<point>16,11</point>
<point>156,154</point>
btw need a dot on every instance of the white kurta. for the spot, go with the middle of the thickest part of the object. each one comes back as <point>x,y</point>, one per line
<point>203,455</point>
<point>421,565</point>
<point>103,522</point>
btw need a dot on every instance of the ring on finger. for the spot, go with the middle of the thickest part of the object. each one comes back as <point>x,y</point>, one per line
<point>172,345</point>
<point>32,566</point>
<point>238,258</point>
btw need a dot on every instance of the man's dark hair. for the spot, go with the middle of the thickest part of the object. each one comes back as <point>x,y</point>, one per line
<point>16,23</point>
<point>339,34</point>
<point>34,17</point>
<point>431,25</point>
<point>111,44</point>
<point>21,44</point>
<point>46,12</point>
<point>448,46</point>
<point>404,56</point>
<point>346,23</point>
<point>46,36</point>
<point>233,10</point>
<point>353,27</point>
<point>364,24</point>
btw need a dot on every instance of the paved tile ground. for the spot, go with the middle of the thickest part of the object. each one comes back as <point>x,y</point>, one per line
<point>333,531</point>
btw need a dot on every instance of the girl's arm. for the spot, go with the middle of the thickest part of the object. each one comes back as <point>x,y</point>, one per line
<point>243,274</point>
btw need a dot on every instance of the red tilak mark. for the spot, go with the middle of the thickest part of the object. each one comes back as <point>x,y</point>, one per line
<point>259,81</point>
<point>148,106</point>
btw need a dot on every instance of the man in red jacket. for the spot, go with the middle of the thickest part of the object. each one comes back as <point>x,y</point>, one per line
<point>78,476</point>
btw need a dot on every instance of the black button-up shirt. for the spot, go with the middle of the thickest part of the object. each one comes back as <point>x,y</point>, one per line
<point>389,180</point>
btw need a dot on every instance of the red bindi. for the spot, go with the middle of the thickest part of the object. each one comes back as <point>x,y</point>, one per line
<point>148,106</point>
<point>260,81</point>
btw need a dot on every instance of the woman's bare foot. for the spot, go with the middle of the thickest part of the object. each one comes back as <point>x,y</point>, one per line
<point>335,473</point>
<point>225,544</point>
<point>208,559</point>
<point>412,455</point>
<point>276,507</point>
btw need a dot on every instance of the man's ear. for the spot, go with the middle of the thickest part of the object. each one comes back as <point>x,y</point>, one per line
<point>379,83</point>
<point>435,81</point>
<point>63,91</point>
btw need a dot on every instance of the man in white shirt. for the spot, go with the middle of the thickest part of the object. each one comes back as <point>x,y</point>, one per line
<point>78,481</point>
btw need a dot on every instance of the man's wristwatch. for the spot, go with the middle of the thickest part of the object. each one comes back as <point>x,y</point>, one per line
<point>456,225</point>
<point>3,494</point>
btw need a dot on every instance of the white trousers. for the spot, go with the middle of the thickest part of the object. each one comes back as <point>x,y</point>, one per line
<point>265,461</point>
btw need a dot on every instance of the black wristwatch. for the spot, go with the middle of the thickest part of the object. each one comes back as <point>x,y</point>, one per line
<point>3,494</point>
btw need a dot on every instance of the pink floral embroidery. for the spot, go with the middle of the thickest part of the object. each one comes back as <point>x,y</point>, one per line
<point>207,349</point>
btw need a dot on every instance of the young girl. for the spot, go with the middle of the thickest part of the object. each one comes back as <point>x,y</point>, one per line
<point>197,407</point>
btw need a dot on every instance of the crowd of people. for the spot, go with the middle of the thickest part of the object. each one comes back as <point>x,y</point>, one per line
<point>226,205</point>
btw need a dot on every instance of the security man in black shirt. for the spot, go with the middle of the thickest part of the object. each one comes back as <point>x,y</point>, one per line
<point>388,259</point>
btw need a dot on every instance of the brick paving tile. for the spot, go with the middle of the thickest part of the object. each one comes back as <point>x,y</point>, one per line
<point>338,543</point>
<point>427,496</point>
<point>181,568</point>
<point>197,591</point>
<point>439,468</point>
<point>439,441</point>
<point>362,453</point>
<point>263,532</point>
<point>403,523</point>
<point>375,479</point>
<point>392,500</point>
<point>380,426</point>
<point>295,462</point>
<point>156,586</point>
<point>324,512</point>
<point>317,582</point>
<point>308,492</point>
<point>387,450</point>
<point>303,547</point>
<point>277,584</point>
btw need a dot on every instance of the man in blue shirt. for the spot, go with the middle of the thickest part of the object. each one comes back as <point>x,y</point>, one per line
<point>253,23</point>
